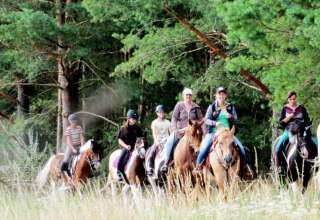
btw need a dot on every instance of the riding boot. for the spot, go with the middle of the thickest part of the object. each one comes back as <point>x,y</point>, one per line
<point>64,166</point>
<point>121,164</point>
<point>247,173</point>
<point>165,167</point>
<point>150,161</point>
<point>197,170</point>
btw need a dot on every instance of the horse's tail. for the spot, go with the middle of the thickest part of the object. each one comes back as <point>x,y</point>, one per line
<point>44,173</point>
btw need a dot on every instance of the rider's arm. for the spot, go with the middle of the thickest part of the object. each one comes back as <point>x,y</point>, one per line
<point>154,129</point>
<point>73,149</point>
<point>207,118</point>
<point>305,115</point>
<point>122,144</point>
<point>234,116</point>
<point>174,118</point>
<point>284,119</point>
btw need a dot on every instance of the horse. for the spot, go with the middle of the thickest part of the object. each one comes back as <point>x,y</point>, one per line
<point>298,157</point>
<point>224,161</point>
<point>81,165</point>
<point>159,179</point>
<point>185,155</point>
<point>134,169</point>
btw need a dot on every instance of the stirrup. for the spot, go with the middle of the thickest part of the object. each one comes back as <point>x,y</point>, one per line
<point>150,172</point>
<point>164,168</point>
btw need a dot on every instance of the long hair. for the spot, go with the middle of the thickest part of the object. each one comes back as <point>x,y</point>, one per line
<point>125,126</point>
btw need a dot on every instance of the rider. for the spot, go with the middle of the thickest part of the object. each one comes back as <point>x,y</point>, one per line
<point>75,139</point>
<point>127,138</point>
<point>221,114</point>
<point>183,111</point>
<point>290,112</point>
<point>160,132</point>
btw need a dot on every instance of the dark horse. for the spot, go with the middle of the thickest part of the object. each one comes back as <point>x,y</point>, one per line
<point>298,156</point>
<point>81,169</point>
<point>134,170</point>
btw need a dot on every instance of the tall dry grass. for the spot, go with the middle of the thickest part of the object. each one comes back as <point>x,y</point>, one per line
<point>258,199</point>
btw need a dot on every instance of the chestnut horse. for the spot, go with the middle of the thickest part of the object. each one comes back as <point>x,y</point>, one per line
<point>224,160</point>
<point>82,166</point>
<point>134,169</point>
<point>185,155</point>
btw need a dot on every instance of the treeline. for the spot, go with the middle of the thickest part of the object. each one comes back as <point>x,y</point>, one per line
<point>105,57</point>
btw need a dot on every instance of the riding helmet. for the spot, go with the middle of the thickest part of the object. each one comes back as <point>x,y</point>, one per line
<point>132,114</point>
<point>161,108</point>
<point>72,117</point>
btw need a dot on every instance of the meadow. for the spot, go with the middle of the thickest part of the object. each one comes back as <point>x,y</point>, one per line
<point>258,199</point>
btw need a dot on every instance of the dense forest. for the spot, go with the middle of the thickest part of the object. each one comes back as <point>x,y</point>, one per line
<point>100,58</point>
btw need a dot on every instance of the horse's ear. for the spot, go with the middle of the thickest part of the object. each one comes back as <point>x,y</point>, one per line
<point>232,130</point>
<point>99,142</point>
<point>190,122</point>
<point>145,134</point>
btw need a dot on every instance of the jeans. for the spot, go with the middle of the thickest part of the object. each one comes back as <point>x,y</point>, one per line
<point>279,148</point>
<point>205,147</point>
<point>167,149</point>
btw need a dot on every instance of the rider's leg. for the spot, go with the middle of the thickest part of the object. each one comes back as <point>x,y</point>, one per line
<point>204,149</point>
<point>247,172</point>
<point>121,163</point>
<point>172,139</point>
<point>150,160</point>
<point>66,158</point>
<point>279,152</point>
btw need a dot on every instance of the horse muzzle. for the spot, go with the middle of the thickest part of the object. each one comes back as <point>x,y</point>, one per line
<point>227,160</point>
<point>97,165</point>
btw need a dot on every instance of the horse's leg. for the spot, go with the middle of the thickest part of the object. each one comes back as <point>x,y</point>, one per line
<point>136,194</point>
<point>152,181</point>
<point>306,177</point>
<point>234,177</point>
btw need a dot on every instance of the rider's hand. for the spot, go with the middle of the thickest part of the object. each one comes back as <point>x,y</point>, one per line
<point>128,147</point>
<point>74,151</point>
<point>218,124</point>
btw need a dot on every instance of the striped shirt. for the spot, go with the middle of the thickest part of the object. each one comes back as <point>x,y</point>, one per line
<point>74,134</point>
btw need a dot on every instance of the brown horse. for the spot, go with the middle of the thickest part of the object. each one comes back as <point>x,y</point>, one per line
<point>82,167</point>
<point>224,160</point>
<point>134,170</point>
<point>185,154</point>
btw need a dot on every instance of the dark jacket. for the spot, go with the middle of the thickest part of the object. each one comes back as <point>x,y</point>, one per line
<point>213,112</point>
<point>301,114</point>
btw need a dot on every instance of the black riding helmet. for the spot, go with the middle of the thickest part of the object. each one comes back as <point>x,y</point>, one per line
<point>161,108</point>
<point>132,114</point>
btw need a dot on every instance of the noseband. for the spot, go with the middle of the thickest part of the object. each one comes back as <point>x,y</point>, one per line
<point>223,164</point>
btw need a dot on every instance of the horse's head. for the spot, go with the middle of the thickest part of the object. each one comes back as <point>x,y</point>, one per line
<point>225,147</point>
<point>140,147</point>
<point>296,137</point>
<point>194,134</point>
<point>92,150</point>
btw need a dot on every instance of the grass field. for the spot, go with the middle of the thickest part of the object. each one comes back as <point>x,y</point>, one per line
<point>259,199</point>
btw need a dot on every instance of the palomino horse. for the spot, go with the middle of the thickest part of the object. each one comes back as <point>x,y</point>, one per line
<point>185,154</point>
<point>82,166</point>
<point>224,160</point>
<point>134,168</point>
<point>298,160</point>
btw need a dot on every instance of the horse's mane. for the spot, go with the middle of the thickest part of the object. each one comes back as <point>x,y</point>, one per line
<point>86,146</point>
<point>222,132</point>
<point>192,129</point>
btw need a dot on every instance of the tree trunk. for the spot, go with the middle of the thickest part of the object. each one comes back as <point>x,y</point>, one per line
<point>23,106</point>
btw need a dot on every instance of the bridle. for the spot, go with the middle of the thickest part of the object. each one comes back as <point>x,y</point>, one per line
<point>221,162</point>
